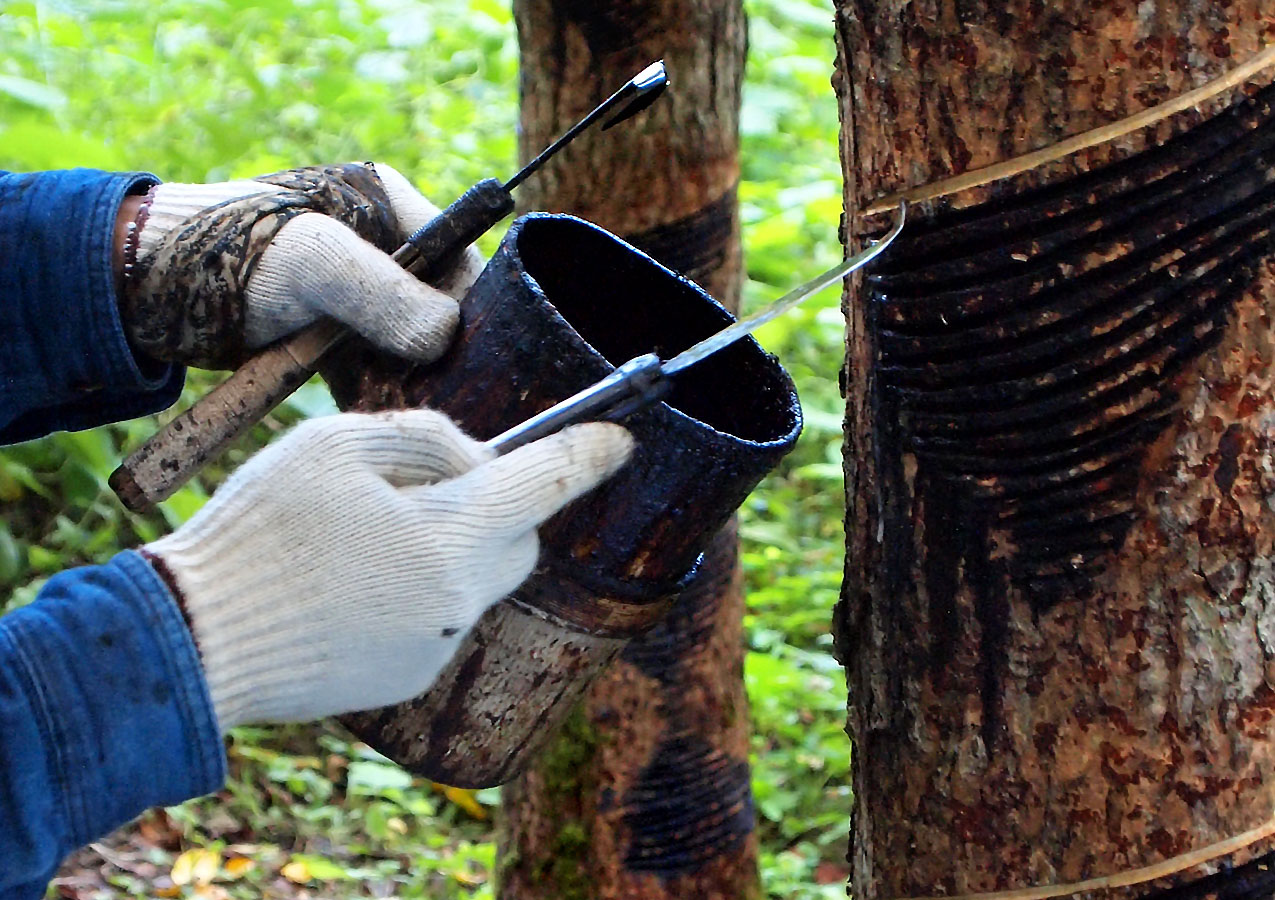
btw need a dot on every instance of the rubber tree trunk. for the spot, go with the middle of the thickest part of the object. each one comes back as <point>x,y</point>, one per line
<point>1005,737</point>
<point>645,793</point>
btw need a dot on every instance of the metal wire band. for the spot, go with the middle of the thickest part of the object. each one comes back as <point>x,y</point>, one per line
<point>1129,877</point>
<point>1045,155</point>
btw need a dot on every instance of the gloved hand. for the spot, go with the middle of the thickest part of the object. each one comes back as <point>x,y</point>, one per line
<point>340,568</point>
<point>214,271</point>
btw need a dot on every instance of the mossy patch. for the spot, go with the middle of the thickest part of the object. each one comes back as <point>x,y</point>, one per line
<point>569,778</point>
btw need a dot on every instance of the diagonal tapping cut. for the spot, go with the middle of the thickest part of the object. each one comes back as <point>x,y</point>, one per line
<point>1031,349</point>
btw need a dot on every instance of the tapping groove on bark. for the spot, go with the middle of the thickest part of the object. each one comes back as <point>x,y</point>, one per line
<point>652,772</point>
<point>688,625</point>
<point>1025,375</point>
<point>592,819</point>
<point>697,245</point>
<point>691,803</point>
<point>1058,620</point>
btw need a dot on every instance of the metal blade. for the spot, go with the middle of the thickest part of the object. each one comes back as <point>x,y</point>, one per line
<point>638,92</point>
<point>650,83</point>
<point>638,379</point>
<point>744,327</point>
<point>644,379</point>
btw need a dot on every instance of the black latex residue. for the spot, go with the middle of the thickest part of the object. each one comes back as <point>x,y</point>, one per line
<point>1028,350</point>
<point>687,627</point>
<point>696,245</point>
<point>690,804</point>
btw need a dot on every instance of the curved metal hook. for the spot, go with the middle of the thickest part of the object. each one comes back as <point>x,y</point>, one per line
<point>638,93</point>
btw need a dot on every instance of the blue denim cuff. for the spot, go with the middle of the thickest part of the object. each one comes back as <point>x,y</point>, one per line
<point>118,690</point>
<point>68,364</point>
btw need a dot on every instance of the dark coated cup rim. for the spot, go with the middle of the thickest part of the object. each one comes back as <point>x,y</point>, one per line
<point>741,393</point>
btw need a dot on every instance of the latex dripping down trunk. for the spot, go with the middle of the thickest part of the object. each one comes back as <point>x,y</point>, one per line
<point>560,304</point>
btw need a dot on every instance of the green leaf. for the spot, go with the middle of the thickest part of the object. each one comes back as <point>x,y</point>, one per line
<point>43,560</point>
<point>12,556</point>
<point>319,868</point>
<point>375,778</point>
<point>32,93</point>
<point>184,504</point>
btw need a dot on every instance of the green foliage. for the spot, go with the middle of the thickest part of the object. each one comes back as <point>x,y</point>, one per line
<point>793,540</point>
<point>346,814</point>
<point>201,90</point>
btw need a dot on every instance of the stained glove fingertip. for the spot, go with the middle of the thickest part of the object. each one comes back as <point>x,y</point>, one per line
<point>598,449</point>
<point>426,326</point>
<point>549,473</point>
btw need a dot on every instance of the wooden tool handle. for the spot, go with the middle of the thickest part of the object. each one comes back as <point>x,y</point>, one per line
<point>169,458</point>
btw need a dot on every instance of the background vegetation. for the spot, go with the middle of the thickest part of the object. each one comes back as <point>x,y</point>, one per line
<point>202,90</point>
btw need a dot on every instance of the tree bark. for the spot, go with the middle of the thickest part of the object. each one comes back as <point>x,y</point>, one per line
<point>1016,724</point>
<point>645,792</point>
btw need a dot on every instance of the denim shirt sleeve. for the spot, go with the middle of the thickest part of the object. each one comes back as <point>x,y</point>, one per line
<point>104,712</point>
<point>66,364</point>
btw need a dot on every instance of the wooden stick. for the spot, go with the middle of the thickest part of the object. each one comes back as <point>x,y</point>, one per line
<point>185,445</point>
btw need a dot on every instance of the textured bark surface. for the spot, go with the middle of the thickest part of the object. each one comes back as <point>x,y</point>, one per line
<point>1022,717</point>
<point>645,793</point>
<point>666,180</point>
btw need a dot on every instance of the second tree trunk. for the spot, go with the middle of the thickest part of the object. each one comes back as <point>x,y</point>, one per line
<point>645,792</point>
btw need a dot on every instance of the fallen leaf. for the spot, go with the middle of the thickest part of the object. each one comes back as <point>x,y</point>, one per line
<point>297,872</point>
<point>67,891</point>
<point>303,869</point>
<point>198,866</point>
<point>206,866</point>
<point>158,828</point>
<point>336,764</point>
<point>238,867</point>
<point>220,823</point>
<point>125,861</point>
<point>80,885</point>
<point>462,797</point>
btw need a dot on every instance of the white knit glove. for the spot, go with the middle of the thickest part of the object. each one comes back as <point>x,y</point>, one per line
<point>222,269</point>
<point>340,568</point>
